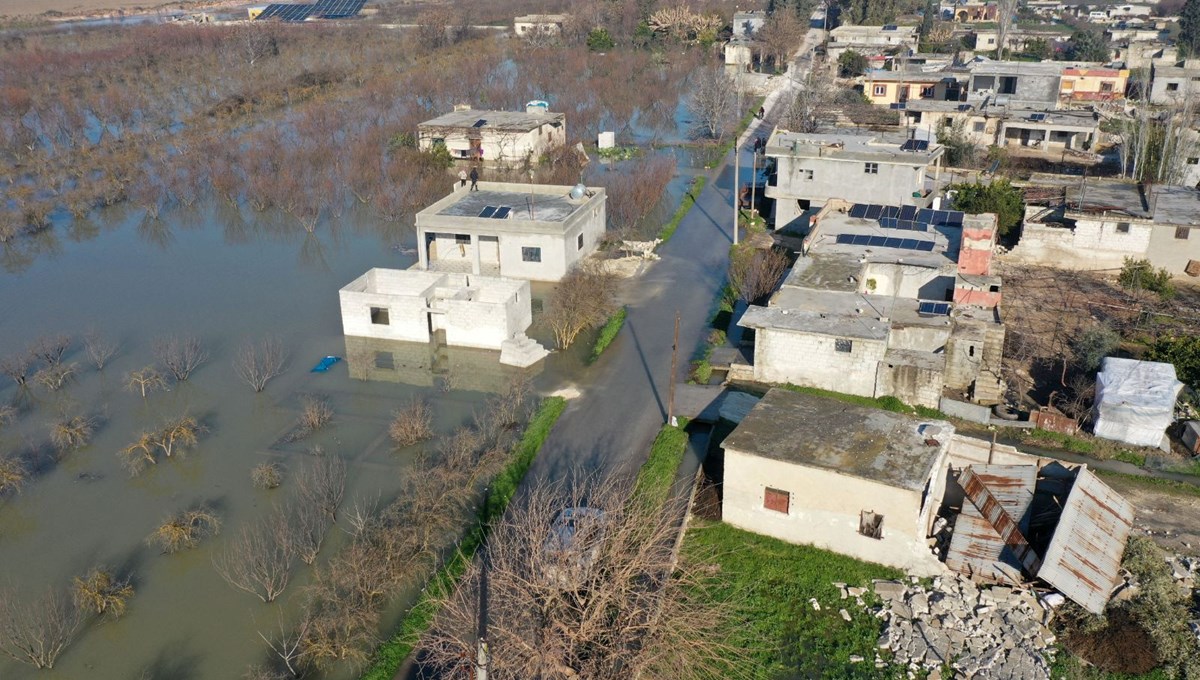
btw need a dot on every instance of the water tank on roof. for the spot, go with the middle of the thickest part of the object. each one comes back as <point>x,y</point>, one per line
<point>537,106</point>
<point>578,191</point>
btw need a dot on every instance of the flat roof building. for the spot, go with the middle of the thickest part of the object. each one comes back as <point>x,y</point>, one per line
<point>859,481</point>
<point>495,137</point>
<point>524,231</point>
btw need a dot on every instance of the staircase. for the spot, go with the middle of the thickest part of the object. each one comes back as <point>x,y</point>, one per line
<point>521,351</point>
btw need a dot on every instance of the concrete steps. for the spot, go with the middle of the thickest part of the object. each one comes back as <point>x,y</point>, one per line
<point>521,351</point>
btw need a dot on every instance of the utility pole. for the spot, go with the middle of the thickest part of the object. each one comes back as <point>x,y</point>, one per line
<point>737,183</point>
<point>674,364</point>
<point>482,654</point>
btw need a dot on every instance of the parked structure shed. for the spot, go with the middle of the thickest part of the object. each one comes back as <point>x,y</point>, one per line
<point>1135,400</point>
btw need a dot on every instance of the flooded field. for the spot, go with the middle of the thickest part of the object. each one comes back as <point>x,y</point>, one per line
<point>223,278</point>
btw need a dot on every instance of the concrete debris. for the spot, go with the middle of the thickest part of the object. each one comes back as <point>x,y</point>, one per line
<point>815,605</point>
<point>1185,570</point>
<point>845,615</point>
<point>997,632</point>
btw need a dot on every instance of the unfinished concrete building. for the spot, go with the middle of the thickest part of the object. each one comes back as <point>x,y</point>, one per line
<point>525,231</point>
<point>495,137</point>
<point>887,301</point>
<point>1096,223</point>
<point>458,310</point>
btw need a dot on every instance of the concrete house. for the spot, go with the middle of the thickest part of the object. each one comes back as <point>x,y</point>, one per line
<point>858,481</point>
<point>741,47</point>
<point>458,310</point>
<point>1039,128</point>
<point>871,40</point>
<point>539,24</point>
<point>1173,84</point>
<point>876,306</point>
<point>810,168</point>
<point>1097,223</point>
<point>1031,84</point>
<point>1081,85</point>
<point>495,137</point>
<point>889,88</point>
<point>523,231</point>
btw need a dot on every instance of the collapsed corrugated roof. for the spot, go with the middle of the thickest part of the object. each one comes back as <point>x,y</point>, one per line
<point>1084,556</point>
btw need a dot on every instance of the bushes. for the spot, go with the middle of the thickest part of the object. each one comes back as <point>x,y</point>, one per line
<point>999,197</point>
<point>1141,275</point>
<point>1183,352</point>
<point>608,333</point>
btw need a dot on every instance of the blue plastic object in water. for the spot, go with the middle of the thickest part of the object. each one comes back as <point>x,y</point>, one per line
<point>324,364</point>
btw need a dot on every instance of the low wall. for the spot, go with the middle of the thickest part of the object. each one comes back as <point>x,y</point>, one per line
<point>967,411</point>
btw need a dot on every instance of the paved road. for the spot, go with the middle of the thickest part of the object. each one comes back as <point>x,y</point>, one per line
<point>610,426</point>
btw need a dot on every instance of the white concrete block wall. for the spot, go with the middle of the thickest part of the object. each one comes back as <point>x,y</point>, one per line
<point>553,263</point>
<point>810,359</point>
<point>824,511</point>
<point>893,184</point>
<point>1167,249</point>
<point>475,324</point>
<point>1091,245</point>
<point>407,318</point>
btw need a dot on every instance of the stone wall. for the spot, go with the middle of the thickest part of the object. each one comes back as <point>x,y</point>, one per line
<point>918,386</point>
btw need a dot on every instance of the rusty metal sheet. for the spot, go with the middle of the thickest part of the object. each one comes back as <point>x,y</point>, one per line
<point>1054,422</point>
<point>1084,557</point>
<point>976,547</point>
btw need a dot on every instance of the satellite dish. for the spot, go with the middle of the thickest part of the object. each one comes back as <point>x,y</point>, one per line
<point>578,191</point>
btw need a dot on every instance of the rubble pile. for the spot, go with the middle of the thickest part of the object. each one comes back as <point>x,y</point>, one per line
<point>997,632</point>
<point>1186,572</point>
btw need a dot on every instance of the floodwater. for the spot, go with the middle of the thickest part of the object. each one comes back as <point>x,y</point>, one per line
<point>225,277</point>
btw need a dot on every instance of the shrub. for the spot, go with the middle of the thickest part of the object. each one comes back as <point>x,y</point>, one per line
<point>1183,352</point>
<point>314,415</point>
<point>999,197</point>
<point>73,433</point>
<point>185,530</point>
<point>600,40</point>
<point>608,333</point>
<point>266,476</point>
<point>1092,346</point>
<point>411,424</point>
<point>1140,275</point>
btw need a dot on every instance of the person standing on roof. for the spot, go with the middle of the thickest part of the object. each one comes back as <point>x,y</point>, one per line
<point>474,179</point>
<point>462,179</point>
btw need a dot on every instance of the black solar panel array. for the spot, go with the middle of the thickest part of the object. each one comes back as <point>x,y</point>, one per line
<point>323,9</point>
<point>495,212</point>
<point>915,145</point>
<point>337,9</point>
<point>885,242</point>
<point>286,12</point>
<point>935,308</point>
<point>907,217</point>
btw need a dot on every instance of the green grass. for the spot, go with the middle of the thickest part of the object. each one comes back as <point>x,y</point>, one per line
<point>886,403</point>
<point>1191,467</point>
<point>1068,667</point>
<point>1121,480</point>
<point>608,333</point>
<point>395,650</point>
<point>1127,456</point>
<point>771,583</point>
<point>619,153</point>
<point>657,475</point>
<point>1058,440</point>
<point>689,199</point>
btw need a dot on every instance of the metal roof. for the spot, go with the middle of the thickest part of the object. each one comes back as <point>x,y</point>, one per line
<point>1084,557</point>
<point>976,548</point>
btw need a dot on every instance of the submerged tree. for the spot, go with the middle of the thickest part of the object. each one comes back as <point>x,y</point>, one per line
<point>257,363</point>
<point>102,592</point>
<point>99,348</point>
<point>72,433</point>
<point>411,423</point>
<point>13,474</point>
<point>583,299</point>
<point>180,355</point>
<point>145,380</point>
<point>185,530</point>
<point>259,560</point>
<point>712,102</point>
<point>37,631</point>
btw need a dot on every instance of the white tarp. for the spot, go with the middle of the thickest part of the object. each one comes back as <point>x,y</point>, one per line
<point>1135,400</point>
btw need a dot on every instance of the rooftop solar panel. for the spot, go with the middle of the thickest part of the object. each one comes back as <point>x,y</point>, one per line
<point>925,246</point>
<point>954,218</point>
<point>915,145</point>
<point>502,212</point>
<point>858,210</point>
<point>924,216</point>
<point>890,211</point>
<point>887,222</point>
<point>874,211</point>
<point>488,211</point>
<point>935,308</point>
<point>908,212</point>
<point>337,9</point>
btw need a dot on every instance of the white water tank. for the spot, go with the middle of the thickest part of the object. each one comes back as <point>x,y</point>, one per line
<point>606,140</point>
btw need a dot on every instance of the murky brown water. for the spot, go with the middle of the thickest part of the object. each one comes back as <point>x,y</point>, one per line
<point>223,277</point>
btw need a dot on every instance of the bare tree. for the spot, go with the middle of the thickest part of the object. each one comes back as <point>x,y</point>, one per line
<point>712,102</point>
<point>811,106</point>
<point>17,367</point>
<point>185,530</point>
<point>180,356</point>
<point>37,631</point>
<point>55,376</point>
<point>309,525</point>
<point>266,476</point>
<point>13,474</point>
<point>583,299</point>
<point>287,646</point>
<point>259,560</point>
<point>139,455</point>
<point>322,482</point>
<point>755,272</point>
<point>412,423</point>
<point>255,41</point>
<point>50,349</point>
<point>72,433</point>
<point>7,414</point>
<point>779,36</point>
<point>315,413</point>
<point>608,600</point>
<point>102,592</point>
<point>145,380</point>
<point>178,435</point>
<point>99,348</point>
<point>257,363</point>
